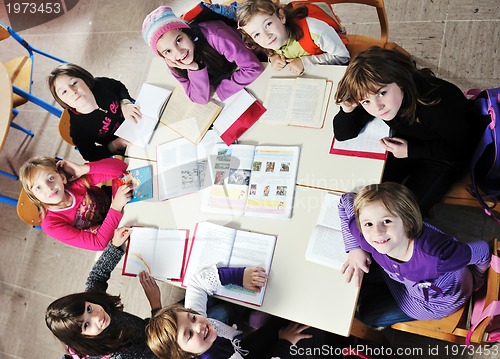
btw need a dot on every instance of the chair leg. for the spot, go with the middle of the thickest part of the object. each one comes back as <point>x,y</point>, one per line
<point>8,200</point>
<point>20,128</point>
<point>9,175</point>
<point>46,106</point>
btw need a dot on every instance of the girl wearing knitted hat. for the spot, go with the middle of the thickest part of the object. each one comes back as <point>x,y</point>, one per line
<point>205,58</point>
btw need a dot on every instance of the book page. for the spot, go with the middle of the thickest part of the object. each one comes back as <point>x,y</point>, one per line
<point>189,119</point>
<point>326,246</point>
<point>307,102</point>
<point>233,107</point>
<point>180,171</point>
<point>211,244</point>
<point>230,168</point>
<point>151,100</point>
<point>278,100</point>
<point>140,253</point>
<point>368,141</point>
<point>169,254</point>
<point>249,250</point>
<point>272,183</point>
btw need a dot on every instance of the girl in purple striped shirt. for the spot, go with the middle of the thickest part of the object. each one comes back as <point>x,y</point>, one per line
<point>429,274</point>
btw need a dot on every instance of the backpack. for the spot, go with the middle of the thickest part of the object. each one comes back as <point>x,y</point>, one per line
<point>209,12</point>
<point>320,11</point>
<point>485,165</point>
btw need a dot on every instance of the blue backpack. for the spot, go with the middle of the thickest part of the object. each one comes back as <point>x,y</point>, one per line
<point>485,166</point>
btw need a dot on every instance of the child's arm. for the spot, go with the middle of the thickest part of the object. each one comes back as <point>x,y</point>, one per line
<point>151,290</point>
<point>105,169</point>
<point>128,108</point>
<point>228,42</point>
<point>207,281</point>
<point>196,86</point>
<point>358,260</point>
<point>347,125</point>
<point>101,271</point>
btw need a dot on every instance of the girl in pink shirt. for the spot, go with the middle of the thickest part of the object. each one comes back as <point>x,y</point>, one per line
<point>72,208</point>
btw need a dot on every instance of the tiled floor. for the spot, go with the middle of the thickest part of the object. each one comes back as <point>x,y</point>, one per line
<point>458,39</point>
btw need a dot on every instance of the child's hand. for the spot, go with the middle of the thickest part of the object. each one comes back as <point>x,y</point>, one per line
<point>119,145</point>
<point>72,170</point>
<point>120,236</point>
<point>254,278</point>
<point>358,261</point>
<point>293,332</point>
<point>277,61</point>
<point>295,66</point>
<point>122,196</point>
<point>396,145</point>
<point>192,66</point>
<point>348,107</point>
<point>131,111</point>
<point>151,289</point>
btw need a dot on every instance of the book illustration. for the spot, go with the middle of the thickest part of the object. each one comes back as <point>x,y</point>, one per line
<point>326,245</point>
<point>137,263</point>
<point>142,180</point>
<point>152,100</point>
<point>366,144</point>
<point>252,180</point>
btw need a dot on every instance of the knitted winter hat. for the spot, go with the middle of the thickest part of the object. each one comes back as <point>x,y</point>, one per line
<point>157,23</point>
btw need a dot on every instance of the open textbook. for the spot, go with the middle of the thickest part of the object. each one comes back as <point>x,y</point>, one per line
<point>215,244</point>
<point>189,119</point>
<point>160,252</point>
<point>326,246</point>
<point>252,180</point>
<point>366,144</point>
<point>181,165</point>
<point>297,101</point>
<point>152,101</point>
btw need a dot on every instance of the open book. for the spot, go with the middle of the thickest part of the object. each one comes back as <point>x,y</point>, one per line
<point>240,111</point>
<point>228,247</point>
<point>366,144</point>
<point>160,252</point>
<point>326,246</point>
<point>181,166</point>
<point>297,101</point>
<point>190,120</point>
<point>142,180</point>
<point>152,101</point>
<point>254,180</point>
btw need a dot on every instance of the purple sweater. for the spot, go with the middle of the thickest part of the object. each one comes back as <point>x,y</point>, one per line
<point>76,225</point>
<point>439,277</point>
<point>226,41</point>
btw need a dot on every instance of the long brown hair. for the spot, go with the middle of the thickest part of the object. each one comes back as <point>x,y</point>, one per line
<point>377,66</point>
<point>63,318</point>
<point>217,65</point>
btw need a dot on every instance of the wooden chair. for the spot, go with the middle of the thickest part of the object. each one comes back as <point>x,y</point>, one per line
<point>27,211</point>
<point>454,328</point>
<point>359,43</point>
<point>64,125</point>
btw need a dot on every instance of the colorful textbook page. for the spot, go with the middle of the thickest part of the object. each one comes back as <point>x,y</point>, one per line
<point>239,112</point>
<point>181,166</point>
<point>297,101</point>
<point>214,244</point>
<point>152,100</point>
<point>366,144</point>
<point>252,180</point>
<point>326,246</point>
<point>142,180</point>
<point>160,252</point>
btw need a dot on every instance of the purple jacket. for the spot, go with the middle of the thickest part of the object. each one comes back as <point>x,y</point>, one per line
<point>227,42</point>
<point>439,277</point>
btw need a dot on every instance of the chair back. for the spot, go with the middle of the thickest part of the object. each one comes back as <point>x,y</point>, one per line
<point>4,33</point>
<point>64,126</point>
<point>27,211</point>
<point>358,43</point>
